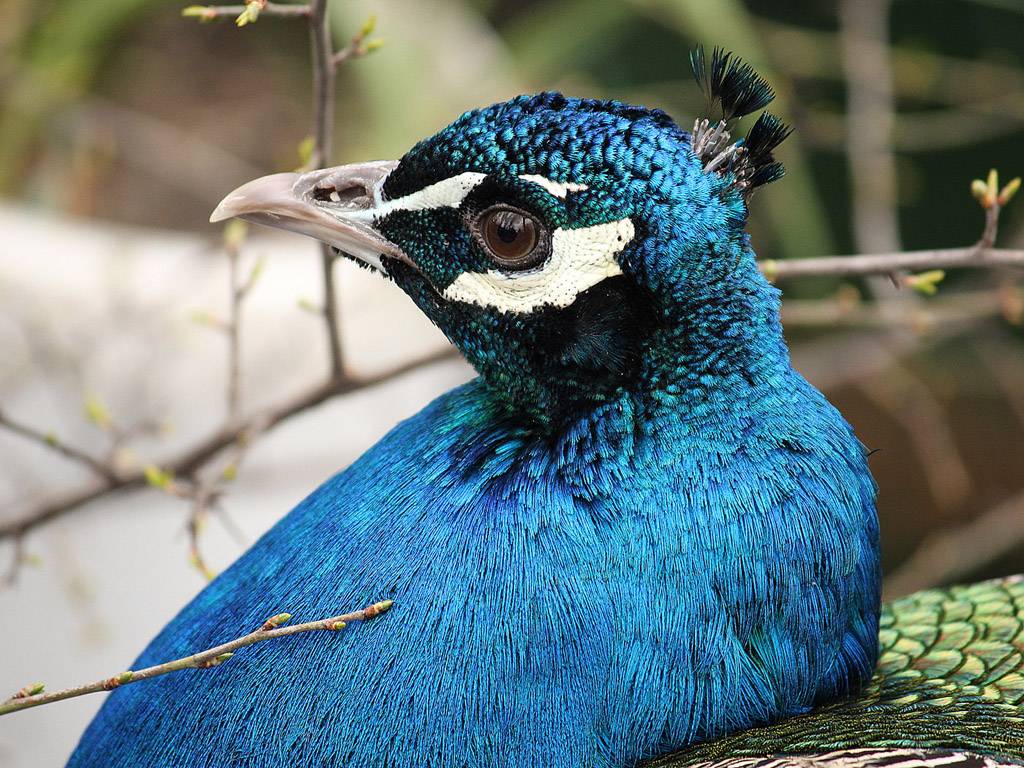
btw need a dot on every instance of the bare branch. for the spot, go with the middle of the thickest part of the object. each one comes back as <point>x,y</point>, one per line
<point>186,463</point>
<point>324,71</point>
<point>17,558</point>
<point>26,698</point>
<point>870,115</point>
<point>234,234</point>
<point>847,310</point>
<point>233,331</point>
<point>330,311</point>
<point>884,263</point>
<point>206,494</point>
<point>217,12</point>
<point>51,441</point>
<point>358,45</point>
<point>992,199</point>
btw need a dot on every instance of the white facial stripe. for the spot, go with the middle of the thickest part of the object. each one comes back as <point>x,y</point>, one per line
<point>580,259</point>
<point>556,188</point>
<point>447,193</point>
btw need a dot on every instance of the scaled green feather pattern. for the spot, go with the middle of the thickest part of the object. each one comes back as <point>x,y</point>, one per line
<point>950,676</point>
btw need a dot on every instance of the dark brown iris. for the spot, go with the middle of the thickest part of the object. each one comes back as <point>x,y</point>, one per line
<point>511,236</point>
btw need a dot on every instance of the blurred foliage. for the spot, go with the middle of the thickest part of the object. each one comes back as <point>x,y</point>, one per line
<point>123,110</point>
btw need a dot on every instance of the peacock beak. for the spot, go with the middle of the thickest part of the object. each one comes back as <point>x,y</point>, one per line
<point>335,205</point>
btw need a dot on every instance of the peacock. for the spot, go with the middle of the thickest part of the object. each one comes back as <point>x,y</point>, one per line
<point>638,536</point>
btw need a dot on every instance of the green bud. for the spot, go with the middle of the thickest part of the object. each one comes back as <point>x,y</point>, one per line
<point>97,412</point>
<point>276,621</point>
<point>926,283</point>
<point>368,26</point>
<point>249,15</point>
<point>157,477</point>
<point>1007,193</point>
<point>201,12</point>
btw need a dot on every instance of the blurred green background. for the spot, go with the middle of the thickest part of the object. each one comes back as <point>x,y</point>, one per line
<point>124,111</point>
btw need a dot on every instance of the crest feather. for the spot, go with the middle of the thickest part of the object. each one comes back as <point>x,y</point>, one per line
<point>738,90</point>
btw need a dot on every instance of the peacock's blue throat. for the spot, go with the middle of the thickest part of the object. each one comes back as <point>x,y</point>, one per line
<point>650,291</point>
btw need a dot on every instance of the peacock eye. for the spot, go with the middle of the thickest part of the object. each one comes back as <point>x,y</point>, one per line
<point>513,238</point>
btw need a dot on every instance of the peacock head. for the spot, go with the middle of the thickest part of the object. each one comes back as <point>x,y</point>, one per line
<point>575,251</point>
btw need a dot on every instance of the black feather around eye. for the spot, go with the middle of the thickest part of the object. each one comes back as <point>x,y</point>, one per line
<point>730,82</point>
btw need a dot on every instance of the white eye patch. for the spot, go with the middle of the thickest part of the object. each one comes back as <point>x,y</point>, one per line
<point>580,259</point>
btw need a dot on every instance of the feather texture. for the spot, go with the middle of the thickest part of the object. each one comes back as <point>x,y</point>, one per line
<point>950,681</point>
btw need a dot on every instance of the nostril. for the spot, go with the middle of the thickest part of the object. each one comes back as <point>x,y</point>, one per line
<point>352,196</point>
<point>345,188</point>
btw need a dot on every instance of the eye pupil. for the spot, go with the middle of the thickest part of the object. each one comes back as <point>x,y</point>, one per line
<point>510,236</point>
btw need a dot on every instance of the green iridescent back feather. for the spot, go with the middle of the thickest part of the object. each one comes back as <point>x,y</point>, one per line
<point>950,676</point>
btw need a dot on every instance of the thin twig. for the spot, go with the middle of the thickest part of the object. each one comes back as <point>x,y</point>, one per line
<point>884,263</point>
<point>203,660</point>
<point>51,441</point>
<point>358,45</point>
<point>17,558</point>
<point>217,12</point>
<point>922,319</point>
<point>206,494</point>
<point>324,71</point>
<point>233,327</point>
<point>330,311</point>
<point>233,331</point>
<point>191,459</point>
<point>870,114</point>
